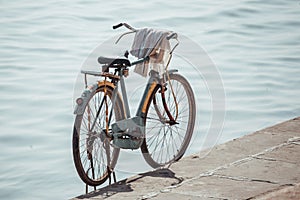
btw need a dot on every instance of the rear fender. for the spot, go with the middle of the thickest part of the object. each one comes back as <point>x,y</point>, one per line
<point>88,93</point>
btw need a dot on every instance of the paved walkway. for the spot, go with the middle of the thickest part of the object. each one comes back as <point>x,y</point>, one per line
<point>262,165</point>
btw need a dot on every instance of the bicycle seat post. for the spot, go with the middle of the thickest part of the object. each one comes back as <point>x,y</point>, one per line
<point>124,94</point>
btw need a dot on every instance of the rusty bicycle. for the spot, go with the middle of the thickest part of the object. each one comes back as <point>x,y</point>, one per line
<point>163,124</point>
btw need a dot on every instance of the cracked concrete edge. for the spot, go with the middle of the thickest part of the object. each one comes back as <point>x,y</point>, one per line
<point>288,191</point>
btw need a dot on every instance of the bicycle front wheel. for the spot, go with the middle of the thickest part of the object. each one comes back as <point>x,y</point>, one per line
<point>93,154</point>
<point>165,142</point>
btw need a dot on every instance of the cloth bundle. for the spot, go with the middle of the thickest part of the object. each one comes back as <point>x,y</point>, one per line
<point>152,43</point>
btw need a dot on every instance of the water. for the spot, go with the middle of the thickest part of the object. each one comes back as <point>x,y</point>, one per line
<point>254,44</point>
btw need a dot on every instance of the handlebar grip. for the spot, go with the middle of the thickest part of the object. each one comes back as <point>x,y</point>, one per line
<point>117,26</point>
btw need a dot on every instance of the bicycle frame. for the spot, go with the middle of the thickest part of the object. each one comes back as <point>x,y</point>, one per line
<point>153,81</point>
<point>132,126</point>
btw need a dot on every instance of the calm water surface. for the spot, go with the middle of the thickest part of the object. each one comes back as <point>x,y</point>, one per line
<point>254,44</point>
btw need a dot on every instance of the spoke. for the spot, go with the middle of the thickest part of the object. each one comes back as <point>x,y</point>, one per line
<point>181,98</point>
<point>92,166</point>
<point>154,137</point>
<point>97,115</point>
<point>157,142</point>
<point>183,111</point>
<point>85,161</point>
<point>180,136</point>
<point>180,129</point>
<point>154,127</point>
<point>173,143</point>
<point>163,142</point>
<point>97,150</point>
<point>167,146</point>
<point>153,119</point>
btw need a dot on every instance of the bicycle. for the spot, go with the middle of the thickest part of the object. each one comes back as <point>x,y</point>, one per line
<point>162,127</point>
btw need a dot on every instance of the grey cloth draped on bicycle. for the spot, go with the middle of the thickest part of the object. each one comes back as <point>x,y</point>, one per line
<point>152,43</point>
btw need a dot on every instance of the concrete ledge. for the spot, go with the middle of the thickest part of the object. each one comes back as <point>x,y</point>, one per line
<point>262,165</point>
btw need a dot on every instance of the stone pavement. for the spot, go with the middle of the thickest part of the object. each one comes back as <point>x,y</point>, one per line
<point>262,165</point>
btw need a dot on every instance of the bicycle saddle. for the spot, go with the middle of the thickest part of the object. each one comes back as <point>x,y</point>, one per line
<point>113,61</point>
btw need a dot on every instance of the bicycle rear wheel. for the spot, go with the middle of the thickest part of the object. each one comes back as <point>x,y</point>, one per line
<point>94,156</point>
<point>164,142</point>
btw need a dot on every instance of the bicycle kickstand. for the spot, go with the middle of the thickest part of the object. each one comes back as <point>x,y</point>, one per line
<point>87,188</point>
<point>112,172</point>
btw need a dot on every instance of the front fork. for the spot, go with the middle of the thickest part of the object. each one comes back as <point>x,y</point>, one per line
<point>171,120</point>
<point>153,82</point>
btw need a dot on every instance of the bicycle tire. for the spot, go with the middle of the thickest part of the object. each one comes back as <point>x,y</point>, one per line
<point>81,141</point>
<point>157,131</point>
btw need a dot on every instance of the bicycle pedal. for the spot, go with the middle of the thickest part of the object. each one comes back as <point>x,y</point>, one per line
<point>125,141</point>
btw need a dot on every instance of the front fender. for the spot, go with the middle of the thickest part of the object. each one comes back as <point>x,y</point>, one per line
<point>87,94</point>
<point>171,71</point>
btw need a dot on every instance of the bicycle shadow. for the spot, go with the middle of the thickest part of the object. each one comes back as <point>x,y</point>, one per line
<point>161,173</point>
<point>126,184</point>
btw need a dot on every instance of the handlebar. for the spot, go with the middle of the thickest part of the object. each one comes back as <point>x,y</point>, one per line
<point>171,36</point>
<point>140,60</point>
<point>124,24</point>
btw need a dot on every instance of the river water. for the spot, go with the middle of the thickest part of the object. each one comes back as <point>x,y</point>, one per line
<point>255,46</point>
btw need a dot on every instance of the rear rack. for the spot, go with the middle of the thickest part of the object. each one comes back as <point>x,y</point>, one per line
<point>104,74</point>
<point>94,73</point>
